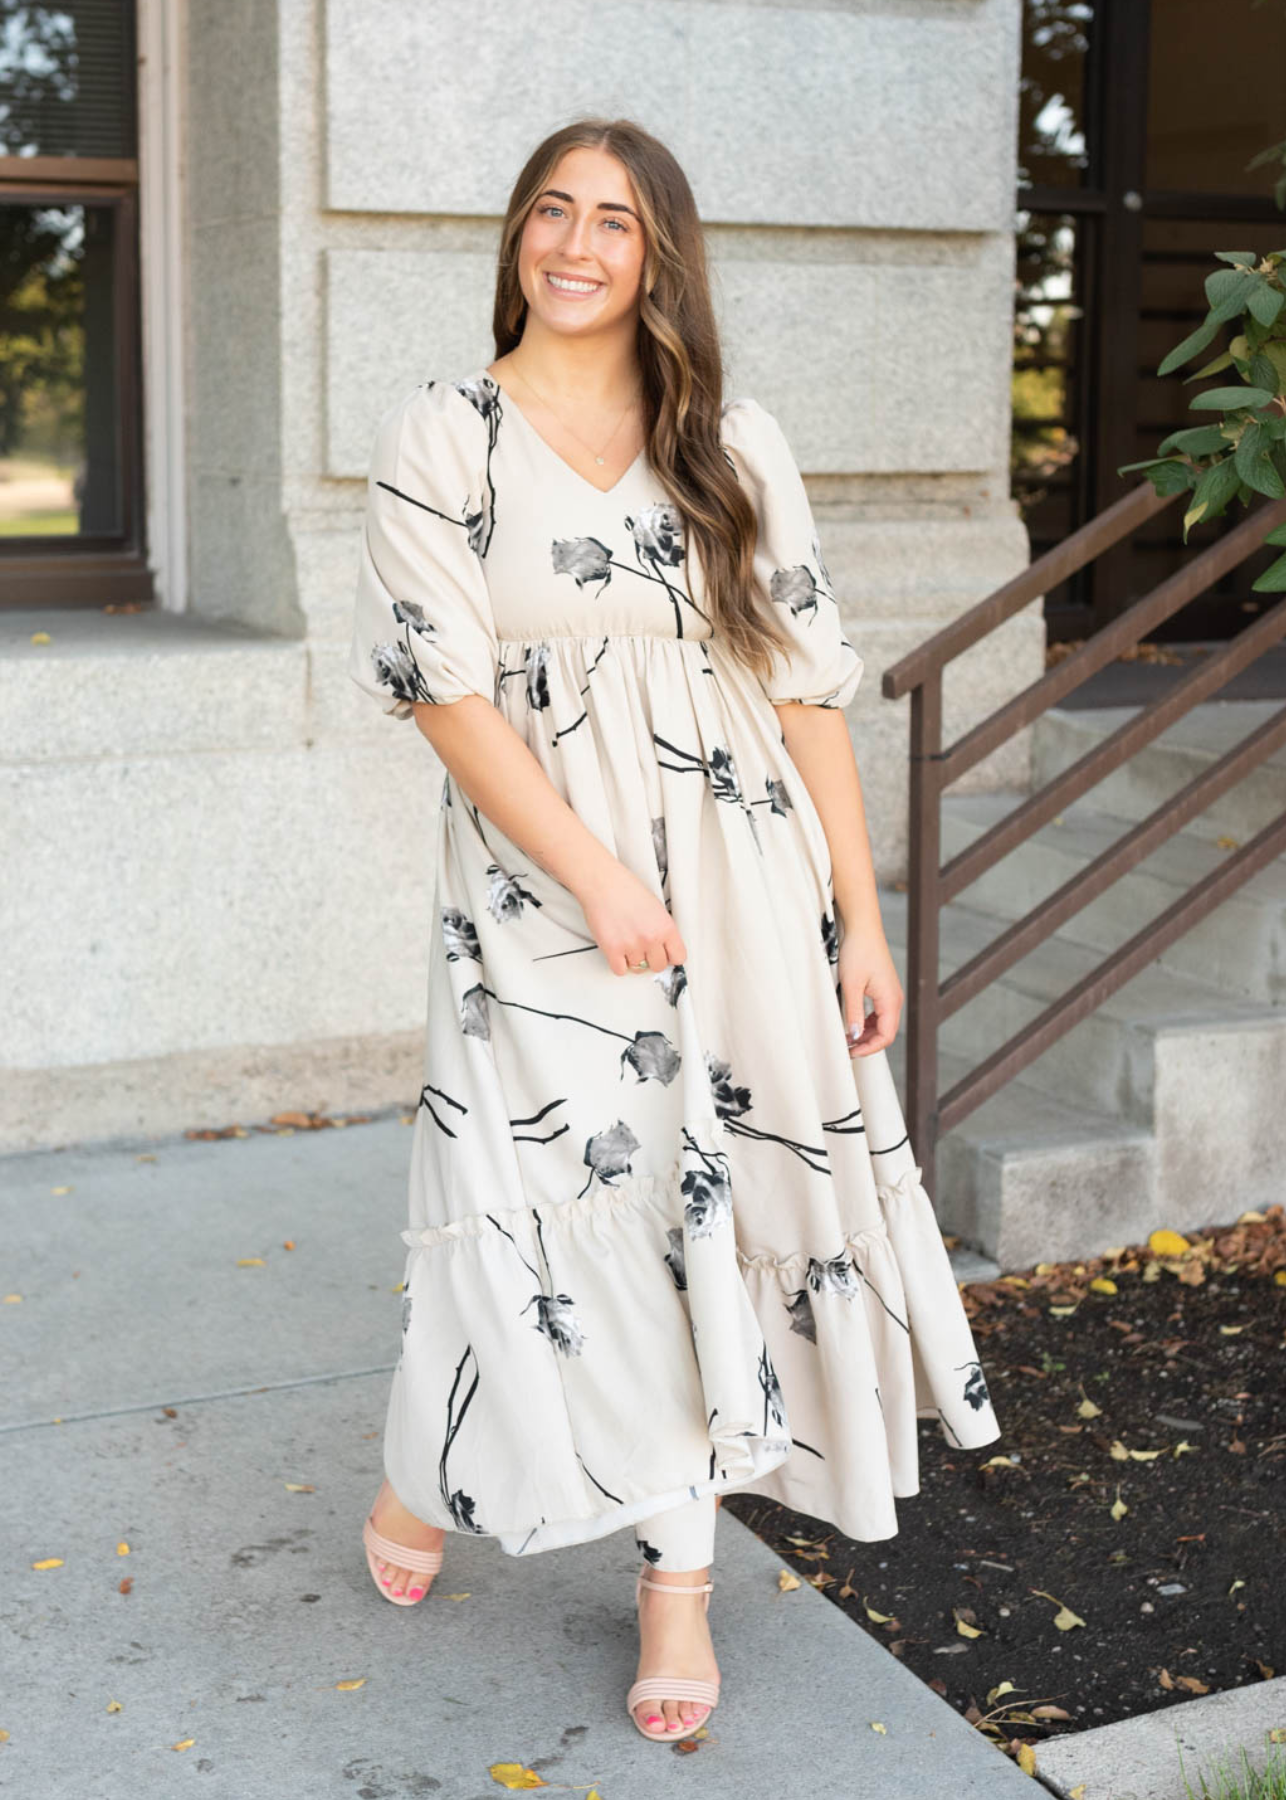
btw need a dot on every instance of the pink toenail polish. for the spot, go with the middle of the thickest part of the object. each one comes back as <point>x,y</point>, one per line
<point>654,1719</point>
<point>386,1579</point>
<point>414,1593</point>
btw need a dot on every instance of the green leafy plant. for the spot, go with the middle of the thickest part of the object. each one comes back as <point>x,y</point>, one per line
<point>1243,452</point>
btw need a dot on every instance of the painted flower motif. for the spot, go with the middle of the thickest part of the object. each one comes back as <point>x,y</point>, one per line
<point>475,1021</point>
<point>659,847</point>
<point>459,935</point>
<point>462,1509</point>
<point>778,798</point>
<point>708,1192</point>
<point>658,534</point>
<point>406,1312</point>
<point>800,1308</point>
<point>650,1552</point>
<point>835,1276</point>
<point>505,895</point>
<point>482,395</point>
<point>729,1101</point>
<point>672,981</point>
<point>774,1405</point>
<point>830,938</point>
<point>794,588</point>
<point>556,1321</point>
<point>608,1152</point>
<point>652,1057</point>
<point>411,613</point>
<point>396,669</point>
<point>817,558</point>
<point>674,1257</point>
<point>584,559</point>
<point>536,660</point>
<point>975,1391</point>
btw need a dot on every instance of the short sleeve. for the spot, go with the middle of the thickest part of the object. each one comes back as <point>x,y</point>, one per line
<point>422,622</point>
<point>823,668</point>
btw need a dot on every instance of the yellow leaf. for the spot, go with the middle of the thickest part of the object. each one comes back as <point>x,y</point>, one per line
<point>1279,1277</point>
<point>1076,1793</point>
<point>4,1736</point>
<point>1118,1507</point>
<point>13,1299</point>
<point>1016,1280</point>
<point>41,637</point>
<point>882,1729</point>
<point>1004,1461</point>
<point>1065,1619</point>
<point>298,1487</point>
<point>114,1706</point>
<point>1103,1284</point>
<point>250,1262</point>
<point>965,1630</point>
<point>1167,1243</point>
<point>1045,1268</point>
<point>1087,1408</point>
<point>50,1562</point>
<point>513,1775</point>
<point>1252,1218</point>
<point>1026,1759</point>
<point>67,1190</point>
<point>122,1549</point>
<point>346,1687</point>
<point>1117,1451</point>
<point>1231,1330</point>
<point>183,1744</point>
<point>1235,1586</point>
<point>464,1596</point>
<point>1183,1445</point>
<point>1277,1734</point>
<point>994,1694</point>
<point>879,1618</point>
<point>786,1581</point>
<point>1145,1455</point>
<point>1062,1312</point>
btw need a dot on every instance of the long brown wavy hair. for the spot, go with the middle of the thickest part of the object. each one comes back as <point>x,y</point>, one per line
<point>680,364</point>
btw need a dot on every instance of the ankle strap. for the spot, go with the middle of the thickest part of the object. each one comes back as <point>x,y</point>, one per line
<point>674,1587</point>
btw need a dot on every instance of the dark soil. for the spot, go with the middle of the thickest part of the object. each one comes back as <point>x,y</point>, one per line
<point>1185,1593</point>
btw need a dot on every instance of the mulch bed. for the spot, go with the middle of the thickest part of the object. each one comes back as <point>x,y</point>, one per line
<point>1149,1380</point>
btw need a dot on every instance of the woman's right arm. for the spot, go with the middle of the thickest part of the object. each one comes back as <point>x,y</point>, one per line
<point>496,769</point>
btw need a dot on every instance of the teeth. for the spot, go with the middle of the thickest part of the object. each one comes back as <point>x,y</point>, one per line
<point>575,287</point>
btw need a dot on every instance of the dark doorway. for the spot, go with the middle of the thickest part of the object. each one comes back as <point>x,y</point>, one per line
<point>1137,122</point>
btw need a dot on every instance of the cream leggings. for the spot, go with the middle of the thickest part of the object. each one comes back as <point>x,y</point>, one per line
<point>682,1538</point>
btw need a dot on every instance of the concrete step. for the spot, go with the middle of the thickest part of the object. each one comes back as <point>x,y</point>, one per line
<point>1240,947</point>
<point>1166,1057</point>
<point>1064,734</point>
<point>1026,1178</point>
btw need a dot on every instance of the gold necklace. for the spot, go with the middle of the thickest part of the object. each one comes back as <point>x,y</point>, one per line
<point>566,427</point>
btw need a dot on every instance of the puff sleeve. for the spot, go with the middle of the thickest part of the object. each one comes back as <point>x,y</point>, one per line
<point>823,668</point>
<point>422,622</point>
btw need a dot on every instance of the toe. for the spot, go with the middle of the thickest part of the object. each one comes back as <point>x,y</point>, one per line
<point>398,1584</point>
<point>671,1710</point>
<point>649,1718</point>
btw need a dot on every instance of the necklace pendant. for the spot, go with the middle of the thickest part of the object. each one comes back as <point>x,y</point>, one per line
<point>598,459</point>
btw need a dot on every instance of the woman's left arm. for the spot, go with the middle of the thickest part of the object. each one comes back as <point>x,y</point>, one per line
<point>818,743</point>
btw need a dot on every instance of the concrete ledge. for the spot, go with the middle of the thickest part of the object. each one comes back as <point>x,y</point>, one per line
<point>1138,1759</point>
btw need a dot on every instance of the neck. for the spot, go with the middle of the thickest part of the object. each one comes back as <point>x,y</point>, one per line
<point>592,371</point>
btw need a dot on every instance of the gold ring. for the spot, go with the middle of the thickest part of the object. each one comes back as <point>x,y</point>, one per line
<point>638,967</point>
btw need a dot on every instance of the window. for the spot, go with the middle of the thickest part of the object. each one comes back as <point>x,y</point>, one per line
<point>71,518</point>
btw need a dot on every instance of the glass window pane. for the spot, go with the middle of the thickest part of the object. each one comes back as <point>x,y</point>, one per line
<point>1053,131</point>
<point>60,470</point>
<point>67,79</point>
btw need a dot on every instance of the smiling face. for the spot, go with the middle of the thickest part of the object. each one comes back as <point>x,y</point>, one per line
<point>585,228</point>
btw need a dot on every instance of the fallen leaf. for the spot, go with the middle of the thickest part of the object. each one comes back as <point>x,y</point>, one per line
<point>346,1687</point>
<point>183,1744</point>
<point>1050,1712</point>
<point>464,1596</point>
<point>1277,1734</point>
<point>288,1243</point>
<point>1235,1586</point>
<point>1064,1618</point>
<point>298,1487</point>
<point>122,1549</point>
<point>14,1299</point>
<point>60,1190</point>
<point>125,1584</point>
<point>994,1694</point>
<point>114,1706</point>
<point>1166,1679</point>
<point>1252,1218</point>
<point>1145,1455</point>
<point>1026,1759</point>
<point>1103,1284</point>
<point>1062,1312</point>
<point>41,637</point>
<point>1004,1461</point>
<point>513,1775</point>
<point>250,1262</point>
<point>1230,1330</point>
<point>1192,1684</point>
<point>1183,1445</point>
<point>1076,1793</point>
<point>882,1729</point>
<point>786,1581</point>
<point>1087,1408</point>
<point>1279,1277</point>
<point>1117,1451</point>
<point>1168,1243</point>
<point>50,1562</point>
<point>879,1617</point>
<point>963,1627</point>
<point>1118,1508</point>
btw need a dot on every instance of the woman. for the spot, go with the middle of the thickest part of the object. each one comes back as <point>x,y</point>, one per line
<point>661,1246</point>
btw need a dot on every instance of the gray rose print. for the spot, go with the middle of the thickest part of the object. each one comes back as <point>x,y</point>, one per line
<point>731,1103</point>
<point>794,588</point>
<point>459,935</point>
<point>779,799</point>
<point>556,1321</point>
<point>584,559</point>
<point>706,1187</point>
<point>800,1308</point>
<point>659,848</point>
<point>720,771</point>
<point>652,1057</point>
<point>458,1503</point>
<point>975,1390</point>
<point>608,1153</point>
<point>672,981</point>
<point>474,1019</point>
<point>835,1276</point>
<point>505,895</point>
<point>536,661</point>
<point>674,1258</point>
<point>774,1405</point>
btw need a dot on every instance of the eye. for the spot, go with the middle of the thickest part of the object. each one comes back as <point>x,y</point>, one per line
<point>550,206</point>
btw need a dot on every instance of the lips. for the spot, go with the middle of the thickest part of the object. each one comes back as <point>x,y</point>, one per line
<point>552,277</point>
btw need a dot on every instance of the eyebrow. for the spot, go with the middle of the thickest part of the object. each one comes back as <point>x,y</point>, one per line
<point>603,205</point>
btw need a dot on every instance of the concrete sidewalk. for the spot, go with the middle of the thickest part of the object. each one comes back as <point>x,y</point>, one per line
<point>251,1603</point>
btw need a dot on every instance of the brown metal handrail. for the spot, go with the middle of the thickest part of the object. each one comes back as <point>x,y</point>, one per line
<point>931,885</point>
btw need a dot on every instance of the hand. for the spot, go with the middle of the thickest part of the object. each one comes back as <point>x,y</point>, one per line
<point>628,922</point>
<point>866,967</point>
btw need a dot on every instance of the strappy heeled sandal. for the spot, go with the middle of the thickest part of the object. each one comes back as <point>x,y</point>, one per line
<point>400,1556</point>
<point>672,1687</point>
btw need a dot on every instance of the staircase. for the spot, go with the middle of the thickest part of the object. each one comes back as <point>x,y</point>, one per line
<point>1167,1104</point>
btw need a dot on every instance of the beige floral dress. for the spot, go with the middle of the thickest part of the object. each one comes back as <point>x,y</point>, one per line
<point>666,1237</point>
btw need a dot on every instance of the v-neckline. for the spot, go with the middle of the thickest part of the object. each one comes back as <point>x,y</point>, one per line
<point>558,458</point>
